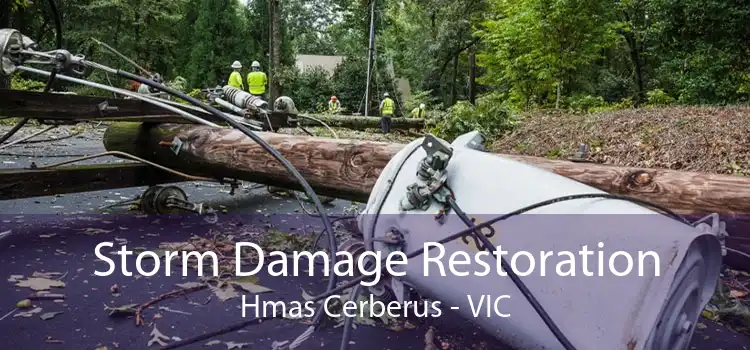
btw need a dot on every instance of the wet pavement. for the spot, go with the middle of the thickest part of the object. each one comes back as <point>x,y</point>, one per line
<point>60,233</point>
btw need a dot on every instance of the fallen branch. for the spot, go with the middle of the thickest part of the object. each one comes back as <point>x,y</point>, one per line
<point>174,293</point>
<point>362,123</point>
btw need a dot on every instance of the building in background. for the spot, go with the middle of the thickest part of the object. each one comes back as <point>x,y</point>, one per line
<point>329,64</point>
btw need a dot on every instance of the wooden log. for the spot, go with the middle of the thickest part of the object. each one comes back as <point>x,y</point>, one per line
<point>27,183</point>
<point>349,168</point>
<point>65,107</point>
<point>362,123</point>
<point>31,104</point>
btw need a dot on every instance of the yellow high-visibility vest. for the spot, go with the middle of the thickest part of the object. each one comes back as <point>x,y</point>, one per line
<point>256,82</point>
<point>417,112</point>
<point>387,108</point>
<point>235,80</point>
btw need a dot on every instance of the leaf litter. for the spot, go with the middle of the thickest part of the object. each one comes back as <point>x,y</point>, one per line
<point>40,283</point>
<point>49,315</point>
<point>157,337</point>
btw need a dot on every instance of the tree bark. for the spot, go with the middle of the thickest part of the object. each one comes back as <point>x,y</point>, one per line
<point>348,169</point>
<point>472,88</point>
<point>275,59</point>
<point>362,123</point>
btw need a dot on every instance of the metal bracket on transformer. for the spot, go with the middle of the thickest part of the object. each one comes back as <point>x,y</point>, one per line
<point>431,176</point>
<point>716,227</point>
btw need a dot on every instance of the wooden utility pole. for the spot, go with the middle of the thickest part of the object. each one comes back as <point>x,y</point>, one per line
<point>274,64</point>
<point>370,55</point>
<point>349,168</point>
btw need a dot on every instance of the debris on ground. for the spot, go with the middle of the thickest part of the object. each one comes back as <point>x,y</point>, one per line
<point>730,305</point>
<point>702,139</point>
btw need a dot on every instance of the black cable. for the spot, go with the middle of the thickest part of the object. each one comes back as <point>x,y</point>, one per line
<point>514,277</point>
<point>275,153</point>
<point>475,231</point>
<point>210,335</point>
<point>53,72</point>
<point>349,321</point>
<point>447,239</point>
<point>14,130</point>
<point>22,122</point>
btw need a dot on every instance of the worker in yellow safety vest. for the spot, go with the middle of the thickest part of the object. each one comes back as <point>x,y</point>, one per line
<point>256,81</point>
<point>235,79</point>
<point>417,112</point>
<point>334,105</point>
<point>386,112</point>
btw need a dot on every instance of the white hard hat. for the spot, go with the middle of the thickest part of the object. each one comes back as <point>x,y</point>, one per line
<point>255,64</point>
<point>236,64</point>
<point>421,105</point>
<point>385,94</point>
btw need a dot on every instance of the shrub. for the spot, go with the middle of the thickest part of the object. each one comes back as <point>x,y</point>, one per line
<point>490,116</point>
<point>658,97</point>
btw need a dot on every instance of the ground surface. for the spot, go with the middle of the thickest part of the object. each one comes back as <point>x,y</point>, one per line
<point>41,241</point>
<point>703,139</point>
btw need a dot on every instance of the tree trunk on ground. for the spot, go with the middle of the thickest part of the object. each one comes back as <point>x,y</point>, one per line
<point>348,169</point>
<point>362,123</point>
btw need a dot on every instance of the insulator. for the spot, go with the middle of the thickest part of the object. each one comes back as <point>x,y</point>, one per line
<point>243,99</point>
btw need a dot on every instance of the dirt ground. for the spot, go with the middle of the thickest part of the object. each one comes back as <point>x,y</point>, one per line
<point>702,139</point>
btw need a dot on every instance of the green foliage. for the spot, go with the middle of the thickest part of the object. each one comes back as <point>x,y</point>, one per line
<point>490,116</point>
<point>586,103</point>
<point>348,84</point>
<point>310,89</point>
<point>658,97</point>
<point>19,83</point>
<point>420,97</point>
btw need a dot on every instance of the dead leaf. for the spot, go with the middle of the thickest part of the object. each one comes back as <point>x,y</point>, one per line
<point>177,246</point>
<point>157,337</point>
<point>50,340</point>
<point>15,278</point>
<point>737,293</point>
<point>189,285</point>
<point>50,275</point>
<point>37,283</point>
<point>103,347</point>
<point>121,310</point>
<point>23,304</point>
<point>90,231</point>
<point>232,345</point>
<point>114,289</point>
<point>225,292</point>
<point>49,315</point>
<point>248,284</point>
<point>29,313</point>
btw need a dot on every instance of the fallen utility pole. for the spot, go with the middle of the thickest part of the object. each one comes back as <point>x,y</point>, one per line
<point>362,123</point>
<point>26,183</point>
<point>348,169</point>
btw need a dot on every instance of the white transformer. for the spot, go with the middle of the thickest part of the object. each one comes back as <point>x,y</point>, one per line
<point>675,265</point>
